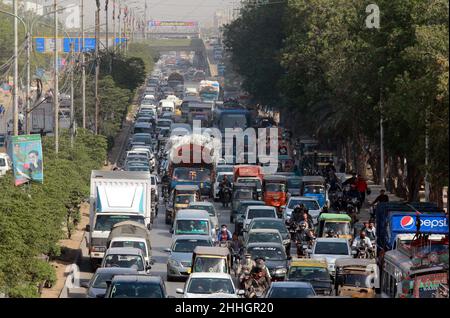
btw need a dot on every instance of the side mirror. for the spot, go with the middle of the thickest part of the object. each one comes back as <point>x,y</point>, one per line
<point>241,292</point>
<point>149,226</point>
<point>88,228</point>
<point>171,231</point>
<point>167,250</point>
<point>179,291</point>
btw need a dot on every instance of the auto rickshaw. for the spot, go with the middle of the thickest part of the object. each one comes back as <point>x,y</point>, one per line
<point>212,259</point>
<point>339,223</point>
<point>181,197</point>
<point>357,278</point>
<point>275,192</point>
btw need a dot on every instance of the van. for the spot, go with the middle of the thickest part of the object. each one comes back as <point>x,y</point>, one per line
<point>5,164</point>
<point>192,222</point>
<point>131,234</point>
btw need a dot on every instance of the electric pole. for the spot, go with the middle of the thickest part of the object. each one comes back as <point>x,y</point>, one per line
<point>106,25</point>
<point>83,69</point>
<point>145,21</point>
<point>27,115</point>
<point>16,74</point>
<point>97,64</point>
<point>72,64</point>
<point>55,80</point>
<point>114,23</point>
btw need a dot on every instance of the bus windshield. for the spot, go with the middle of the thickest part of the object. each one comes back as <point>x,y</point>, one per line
<point>191,174</point>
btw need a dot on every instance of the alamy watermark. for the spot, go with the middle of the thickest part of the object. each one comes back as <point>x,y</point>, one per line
<point>373,19</point>
<point>211,143</point>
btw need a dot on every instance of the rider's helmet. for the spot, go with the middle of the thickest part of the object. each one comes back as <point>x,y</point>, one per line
<point>331,233</point>
<point>303,225</point>
<point>259,263</point>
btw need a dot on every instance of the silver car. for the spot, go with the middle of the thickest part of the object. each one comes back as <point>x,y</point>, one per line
<point>97,285</point>
<point>208,207</point>
<point>180,259</point>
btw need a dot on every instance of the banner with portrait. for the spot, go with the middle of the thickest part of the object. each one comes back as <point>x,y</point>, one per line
<point>27,158</point>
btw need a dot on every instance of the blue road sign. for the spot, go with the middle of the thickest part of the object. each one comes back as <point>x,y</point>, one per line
<point>40,45</point>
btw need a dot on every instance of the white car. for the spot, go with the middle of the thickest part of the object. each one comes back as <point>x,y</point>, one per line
<point>219,179</point>
<point>209,285</point>
<point>5,163</point>
<point>310,203</point>
<point>259,211</point>
<point>330,249</point>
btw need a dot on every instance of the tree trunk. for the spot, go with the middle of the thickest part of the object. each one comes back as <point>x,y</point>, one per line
<point>413,182</point>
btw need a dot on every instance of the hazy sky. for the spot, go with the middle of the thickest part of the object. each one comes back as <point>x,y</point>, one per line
<point>198,10</point>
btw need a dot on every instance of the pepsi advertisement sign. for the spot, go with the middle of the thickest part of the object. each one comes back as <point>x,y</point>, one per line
<point>437,224</point>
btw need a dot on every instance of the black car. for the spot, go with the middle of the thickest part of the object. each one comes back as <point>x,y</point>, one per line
<point>276,224</point>
<point>290,290</point>
<point>274,256</point>
<point>136,286</point>
<point>319,278</point>
<point>238,215</point>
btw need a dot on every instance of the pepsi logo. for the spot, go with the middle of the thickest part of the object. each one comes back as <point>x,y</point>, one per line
<point>407,222</point>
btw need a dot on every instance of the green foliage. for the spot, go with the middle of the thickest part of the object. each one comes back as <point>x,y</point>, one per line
<point>33,217</point>
<point>335,72</point>
<point>144,52</point>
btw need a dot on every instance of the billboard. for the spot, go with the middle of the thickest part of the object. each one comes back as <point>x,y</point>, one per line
<point>158,26</point>
<point>429,223</point>
<point>46,44</point>
<point>27,158</point>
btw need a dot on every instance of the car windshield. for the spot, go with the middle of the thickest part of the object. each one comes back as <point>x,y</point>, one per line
<point>294,183</point>
<point>243,206</point>
<point>145,130</point>
<point>275,187</point>
<point>243,195</point>
<point>209,208</point>
<point>101,279</point>
<point>210,286</point>
<point>314,189</point>
<point>137,159</point>
<point>251,181</point>
<point>210,265</point>
<point>164,123</point>
<point>106,222</point>
<point>138,168</point>
<point>142,138</point>
<point>264,238</point>
<point>331,248</point>
<point>184,199</point>
<point>136,290</point>
<point>260,213</point>
<point>188,246</point>
<point>308,273</point>
<point>356,280</point>
<point>124,261</point>
<point>200,227</point>
<point>191,174</point>
<point>270,225</point>
<point>290,292</point>
<point>309,204</point>
<point>268,253</point>
<point>220,177</point>
<point>139,245</point>
<point>340,228</point>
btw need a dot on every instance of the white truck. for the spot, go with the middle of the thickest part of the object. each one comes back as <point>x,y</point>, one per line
<point>116,196</point>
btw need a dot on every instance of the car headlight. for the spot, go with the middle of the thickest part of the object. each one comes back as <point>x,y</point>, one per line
<point>174,263</point>
<point>280,271</point>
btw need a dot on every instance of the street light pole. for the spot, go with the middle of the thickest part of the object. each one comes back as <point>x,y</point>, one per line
<point>72,115</point>
<point>55,79</point>
<point>28,115</point>
<point>83,69</point>
<point>106,26</point>
<point>97,64</point>
<point>16,74</point>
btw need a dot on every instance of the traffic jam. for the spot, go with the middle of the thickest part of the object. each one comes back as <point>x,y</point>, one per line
<point>187,214</point>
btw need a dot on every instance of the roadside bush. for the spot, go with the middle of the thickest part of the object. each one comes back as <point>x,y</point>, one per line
<point>34,217</point>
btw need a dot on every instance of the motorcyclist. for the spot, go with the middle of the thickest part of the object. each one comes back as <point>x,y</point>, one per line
<point>224,234</point>
<point>304,236</point>
<point>370,231</point>
<point>225,184</point>
<point>331,233</point>
<point>362,241</point>
<point>261,274</point>
<point>297,215</point>
<point>308,219</point>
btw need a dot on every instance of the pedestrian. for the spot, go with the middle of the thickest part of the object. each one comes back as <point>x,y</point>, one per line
<point>381,198</point>
<point>361,186</point>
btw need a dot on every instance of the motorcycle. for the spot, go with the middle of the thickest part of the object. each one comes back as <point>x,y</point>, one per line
<point>363,251</point>
<point>253,288</point>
